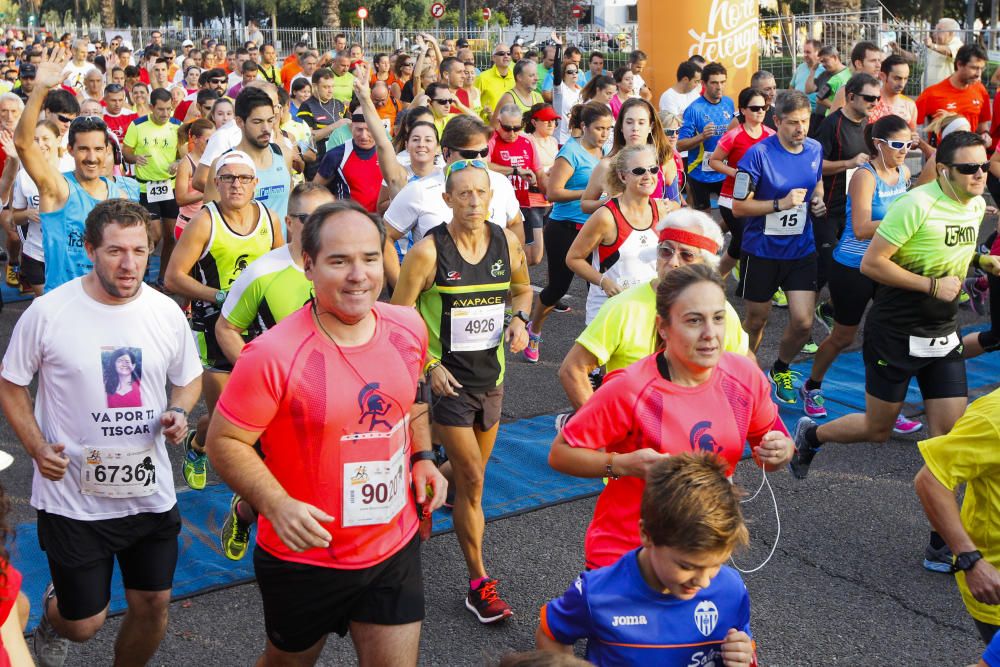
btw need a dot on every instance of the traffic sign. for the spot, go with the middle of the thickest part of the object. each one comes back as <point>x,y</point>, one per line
<point>576,11</point>
<point>362,13</point>
<point>437,10</point>
<point>487,13</point>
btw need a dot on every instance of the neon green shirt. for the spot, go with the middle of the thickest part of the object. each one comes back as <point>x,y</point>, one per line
<point>343,87</point>
<point>158,143</point>
<point>491,86</point>
<point>269,290</point>
<point>624,330</point>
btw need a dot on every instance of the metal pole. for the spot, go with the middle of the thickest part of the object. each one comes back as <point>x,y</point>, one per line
<point>970,20</point>
<point>463,18</point>
<point>362,35</point>
<point>994,16</point>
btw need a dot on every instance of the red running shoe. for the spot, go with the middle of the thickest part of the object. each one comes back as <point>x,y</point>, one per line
<point>486,604</point>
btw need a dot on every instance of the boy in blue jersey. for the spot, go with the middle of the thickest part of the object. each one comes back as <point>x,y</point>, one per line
<point>778,190</point>
<point>672,601</point>
<point>705,121</point>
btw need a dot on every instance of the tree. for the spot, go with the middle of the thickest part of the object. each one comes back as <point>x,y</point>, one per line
<point>331,13</point>
<point>108,17</point>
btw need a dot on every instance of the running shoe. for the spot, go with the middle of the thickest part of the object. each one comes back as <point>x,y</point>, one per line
<point>562,307</point>
<point>963,298</point>
<point>824,315</point>
<point>13,275</point>
<point>235,536</point>
<point>906,426</point>
<point>195,464</point>
<point>50,649</point>
<point>812,402</point>
<point>938,560</point>
<point>562,420</point>
<point>784,385</point>
<point>810,348</point>
<point>779,299</point>
<point>803,456</point>
<point>596,378</point>
<point>486,604</point>
<point>977,296</point>
<point>531,352</point>
<point>736,272</point>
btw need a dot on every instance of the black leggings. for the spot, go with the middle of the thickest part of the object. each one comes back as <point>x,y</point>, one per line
<point>559,236</point>
<point>735,229</point>
<point>990,339</point>
<point>827,232</point>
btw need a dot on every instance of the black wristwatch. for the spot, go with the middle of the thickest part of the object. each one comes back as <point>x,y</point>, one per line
<point>178,409</point>
<point>777,206</point>
<point>965,561</point>
<point>523,316</point>
<point>423,455</point>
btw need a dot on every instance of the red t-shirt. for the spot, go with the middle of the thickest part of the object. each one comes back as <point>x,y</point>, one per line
<point>334,427</point>
<point>973,102</point>
<point>9,587</point>
<point>119,124</point>
<point>737,142</point>
<point>520,154</point>
<point>636,407</point>
<point>180,113</point>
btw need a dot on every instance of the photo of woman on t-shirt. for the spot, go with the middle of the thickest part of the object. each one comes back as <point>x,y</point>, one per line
<point>122,373</point>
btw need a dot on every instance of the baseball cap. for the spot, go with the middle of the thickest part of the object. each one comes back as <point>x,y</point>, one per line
<point>18,44</point>
<point>187,42</point>
<point>235,157</point>
<point>91,48</point>
<point>546,113</point>
<point>27,71</point>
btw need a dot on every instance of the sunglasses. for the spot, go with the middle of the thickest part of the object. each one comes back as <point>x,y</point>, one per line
<point>641,171</point>
<point>756,108</point>
<point>447,100</point>
<point>512,128</point>
<point>229,179</point>
<point>970,168</point>
<point>301,217</point>
<point>667,252</point>
<point>469,154</point>
<point>896,144</point>
<point>572,72</point>
<point>65,119</point>
<point>114,88</point>
<point>501,54</point>
<point>671,132</point>
<point>217,81</point>
<point>871,99</point>
<point>459,165</point>
<point>407,64</point>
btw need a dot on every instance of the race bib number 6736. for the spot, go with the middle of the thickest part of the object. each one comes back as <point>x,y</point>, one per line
<point>118,473</point>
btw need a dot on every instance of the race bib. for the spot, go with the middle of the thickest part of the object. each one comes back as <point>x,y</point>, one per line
<point>847,178</point>
<point>476,328</point>
<point>118,473</point>
<point>375,491</point>
<point>932,348</point>
<point>705,166</point>
<point>157,191</point>
<point>786,223</point>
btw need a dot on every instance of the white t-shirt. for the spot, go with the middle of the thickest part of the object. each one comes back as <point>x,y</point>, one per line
<point>563,100</point>
<point>940,66</point>
<point>26,197</point>
<point>73,342</point>
<point>74,75</point>
<point>226,137</point>
<point>637,85</point>
<point>419,206</point>
<point>676,103</point>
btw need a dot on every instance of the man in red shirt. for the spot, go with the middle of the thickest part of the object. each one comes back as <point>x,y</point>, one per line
<point>351,170</point>
<point>334,393</point>
<point>962,93</point>
<point>513,154</point>
<point>116,116</point>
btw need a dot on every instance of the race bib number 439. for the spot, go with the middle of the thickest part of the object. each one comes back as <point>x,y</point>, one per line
<point>118,473</point>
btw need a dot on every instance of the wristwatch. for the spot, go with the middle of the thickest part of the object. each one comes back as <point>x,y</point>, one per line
<point>220,297</point>
<point>523,316</point>
<point>777,206</point>
<point>965,560</point>
<point>178,409</point>
<point>423,455</point>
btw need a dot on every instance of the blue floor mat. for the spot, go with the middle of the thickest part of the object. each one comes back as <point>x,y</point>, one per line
<point>518,479</point>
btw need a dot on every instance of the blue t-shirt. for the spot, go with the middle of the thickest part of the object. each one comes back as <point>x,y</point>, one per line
<point>549,82</point>
<point>992,655</point>
<point>850,249</point>
<point>700,113</point>
<point>582,163</point>
<point>799,81</point>
<point>625,622</point>
<point>775,172</point>
<point>62,233</point>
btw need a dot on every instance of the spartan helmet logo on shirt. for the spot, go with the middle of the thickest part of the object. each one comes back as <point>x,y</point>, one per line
<point>497,269</point>
<point>706,615</point>
<point>373,404</point>
<point>702,440</point>
<point>240,264</point>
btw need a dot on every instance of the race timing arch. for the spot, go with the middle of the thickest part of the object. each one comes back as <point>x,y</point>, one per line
<point>719,30</point>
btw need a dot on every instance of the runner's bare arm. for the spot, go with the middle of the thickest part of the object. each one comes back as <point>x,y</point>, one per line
<point>186,253</point>
<point>595,195</point>
<point>586,462</point>
<point>12,636</point>
<point>230,338</point>
<point>53,190</point>
<point>20,412</point>
<point>392,171</point>
<point>209,187</point>
<point>598,230</point>
<point>515,226</point>
<point>416,274</point>
<point>201,177</point>
<point>545,643</point>
<point>390,260</point>
<point>877,264</point>
<point>175,425</point>
<point>521,294</point>
<point>277,236</point>
<point>574,375</point>
<point>425,473</point>
<point>185,194</point>
<point>231,453</point>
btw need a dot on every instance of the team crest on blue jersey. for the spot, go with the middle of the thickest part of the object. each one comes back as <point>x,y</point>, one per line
<point>706,615</point>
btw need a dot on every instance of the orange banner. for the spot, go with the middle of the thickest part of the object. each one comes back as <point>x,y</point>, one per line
<point>725,31</point>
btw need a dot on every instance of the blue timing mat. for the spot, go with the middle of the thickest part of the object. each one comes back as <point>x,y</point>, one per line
<point>518,479</point>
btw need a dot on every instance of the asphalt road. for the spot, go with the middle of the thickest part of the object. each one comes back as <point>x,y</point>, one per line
<point>845,585</point>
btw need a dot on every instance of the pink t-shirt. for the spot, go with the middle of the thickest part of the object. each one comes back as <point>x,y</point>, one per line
<point>636,407</point>
<point>521,154</point>
<point>335,429</point>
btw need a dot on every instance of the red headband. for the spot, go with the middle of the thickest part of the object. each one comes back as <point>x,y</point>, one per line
<point>688,238</point>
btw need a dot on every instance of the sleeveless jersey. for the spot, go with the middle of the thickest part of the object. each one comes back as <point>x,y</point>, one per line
<point>536,98</point>
<point>227,254</point>
<point>62,233</point>
<point>464,309</point>
<point>851,249</point>
<point>629,260</point>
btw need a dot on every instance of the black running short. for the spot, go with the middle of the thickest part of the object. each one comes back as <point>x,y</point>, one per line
<point>81,557</point>
<point>889,368</point>
<point>32,271</point>
<point>760,277</point>
<point>850,291</point>
<point>165,210</point>
<point>304,603</point>
<point>534,218</point>
<point>469,408</point>
<point>701,193</point>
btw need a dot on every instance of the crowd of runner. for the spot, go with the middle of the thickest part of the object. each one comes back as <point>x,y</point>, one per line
<point>344,242</point>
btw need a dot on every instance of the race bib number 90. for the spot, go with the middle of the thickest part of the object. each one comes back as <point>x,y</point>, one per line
<point>374,491</point>
<point>118,473</point>
<point>790,222</point>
